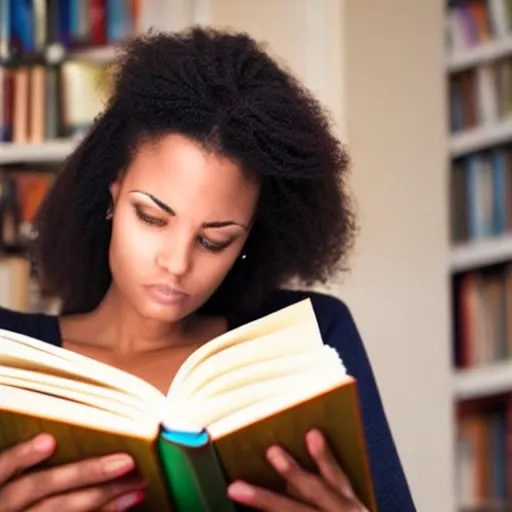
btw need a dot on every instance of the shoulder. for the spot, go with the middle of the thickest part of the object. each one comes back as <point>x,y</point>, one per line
<point>37,325</point>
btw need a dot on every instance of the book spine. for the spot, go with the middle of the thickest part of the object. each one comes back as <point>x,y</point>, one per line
<point>194,477</point>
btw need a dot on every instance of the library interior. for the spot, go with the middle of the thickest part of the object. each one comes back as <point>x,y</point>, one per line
<point>418,92</point>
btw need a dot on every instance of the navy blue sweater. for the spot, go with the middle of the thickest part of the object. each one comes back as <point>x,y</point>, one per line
<point>339,331</point>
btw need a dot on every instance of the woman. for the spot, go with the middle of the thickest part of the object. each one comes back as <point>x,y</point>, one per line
<point>210,181</point>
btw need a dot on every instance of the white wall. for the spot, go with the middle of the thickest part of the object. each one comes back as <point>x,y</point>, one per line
<point>394,99</point>
<point>378,67</point>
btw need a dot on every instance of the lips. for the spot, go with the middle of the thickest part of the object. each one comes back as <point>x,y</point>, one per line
<point>166,294</point>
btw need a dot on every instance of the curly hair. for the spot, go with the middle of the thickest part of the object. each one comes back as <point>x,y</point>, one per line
<point>223,90</point>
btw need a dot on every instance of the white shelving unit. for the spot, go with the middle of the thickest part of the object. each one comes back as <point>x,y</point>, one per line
<point>101,54</point>
<point>479,54</point>
<point>483,381</point>
<point>495,378</point>
<point>481,253</point>
<point>480,137</point>
<point>46,152</point>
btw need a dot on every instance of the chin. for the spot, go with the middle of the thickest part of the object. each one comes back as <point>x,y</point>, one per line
<point>167,313</point>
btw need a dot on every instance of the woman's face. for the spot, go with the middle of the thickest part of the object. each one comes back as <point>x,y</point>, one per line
<point>181,216</point>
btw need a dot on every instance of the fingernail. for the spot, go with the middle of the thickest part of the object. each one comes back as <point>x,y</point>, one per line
<point>44,442</point>
<point>314,436</point>
<point>129,500</point>
<point>278,459</point>
<point>240,490</point>
<point>315,442</point>
<point>118,464</point>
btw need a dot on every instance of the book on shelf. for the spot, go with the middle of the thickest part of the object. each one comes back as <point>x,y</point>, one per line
<point>483,316</point>
<point>483,435</point>
<point>481,96</point>
<point>481,195</point>
<point>42,103</point>
<point>28,28</point>
<point>473,23</point>
<point>48,90</point>
<point>265,382</point>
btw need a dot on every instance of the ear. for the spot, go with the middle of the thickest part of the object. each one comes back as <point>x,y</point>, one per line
<point>115,187</point>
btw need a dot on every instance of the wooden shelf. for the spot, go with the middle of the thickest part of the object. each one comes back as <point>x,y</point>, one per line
<point>480,253</point>
<point>479,54</point>
<point>480,137</point>
<point>47,152</point>
<point>483,381</point>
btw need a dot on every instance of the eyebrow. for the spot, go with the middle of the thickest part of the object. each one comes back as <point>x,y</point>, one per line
<point>166,208</point>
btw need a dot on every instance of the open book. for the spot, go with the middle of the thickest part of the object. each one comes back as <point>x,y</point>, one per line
<point>266,382</point>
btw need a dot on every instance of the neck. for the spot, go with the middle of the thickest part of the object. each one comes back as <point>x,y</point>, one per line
<point>124,331</point>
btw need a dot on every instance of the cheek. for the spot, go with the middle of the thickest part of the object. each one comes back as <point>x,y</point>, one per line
<point>131,250</point>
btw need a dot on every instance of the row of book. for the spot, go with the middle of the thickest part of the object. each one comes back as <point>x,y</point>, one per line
<point>482,305</point>
<point>41,103</point>
<point>481,195</point>
<point>481,95</point>
<point>21,192</point>
<point>29,27</point>
<point>482,457</point>
<point>474,22</point>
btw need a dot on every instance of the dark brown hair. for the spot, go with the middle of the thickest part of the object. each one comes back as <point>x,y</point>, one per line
<point>223,90</point>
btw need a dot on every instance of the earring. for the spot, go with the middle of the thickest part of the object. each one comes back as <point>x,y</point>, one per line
<point>109,214</point>
<point>243,257</point>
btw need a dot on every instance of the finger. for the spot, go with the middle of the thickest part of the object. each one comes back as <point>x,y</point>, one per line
<point>263,499</point>
<point>31,488</point>
<point>327,465</point>
<point>118,495</point>
<point>310,487</point>
<point>25,455</point>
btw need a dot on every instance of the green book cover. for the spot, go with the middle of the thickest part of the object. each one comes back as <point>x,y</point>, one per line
<point>193,474</point>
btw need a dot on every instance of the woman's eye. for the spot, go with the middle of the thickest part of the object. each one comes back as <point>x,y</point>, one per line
<point>149,219</point>
<point>212,246</point>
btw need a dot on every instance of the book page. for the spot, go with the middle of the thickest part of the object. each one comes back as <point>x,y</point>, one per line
<point>272,323</point>
<point>250,411</point>
<point>88,394</point>
<point>289,341</point>
<point>266,369</point>
<point>50,362</point>
<point>39,405</point>
<point>286,380</point>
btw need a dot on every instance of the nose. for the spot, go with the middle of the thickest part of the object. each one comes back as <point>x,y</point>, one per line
<point>175,256</point>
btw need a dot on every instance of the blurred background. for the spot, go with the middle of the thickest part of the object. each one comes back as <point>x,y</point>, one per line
<point>421,93</point>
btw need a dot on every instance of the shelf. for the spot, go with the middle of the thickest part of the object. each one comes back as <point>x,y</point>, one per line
<point>480,253</point>
<point>479,54</point>
<point>479,138</point>
<point>483,381</point>
<point>47,152</point>
<point>100,54</point>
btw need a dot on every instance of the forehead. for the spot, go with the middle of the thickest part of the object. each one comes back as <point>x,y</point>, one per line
<point>181,172</point>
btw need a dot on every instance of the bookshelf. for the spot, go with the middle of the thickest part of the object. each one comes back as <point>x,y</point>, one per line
<point>479,151</point>
<point>53,80</point>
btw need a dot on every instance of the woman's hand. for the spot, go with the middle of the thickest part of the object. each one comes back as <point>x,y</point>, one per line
<point>330,491</point>
<point>79,487</point>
